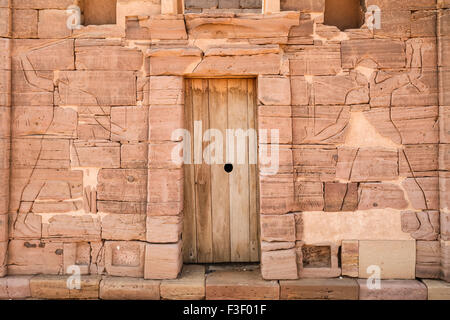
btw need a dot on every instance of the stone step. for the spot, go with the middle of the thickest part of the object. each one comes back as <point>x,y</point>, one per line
<point>437,289</point>
<point>318,289</point>
<point>240,285</point>
<point>393,290</point>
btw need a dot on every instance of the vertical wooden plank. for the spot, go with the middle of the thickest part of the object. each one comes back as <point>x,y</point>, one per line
<point>202,176</point>
<point>218,111</point>
<point>189,221</point>
<point>238,178</point>
<point>253,154</point>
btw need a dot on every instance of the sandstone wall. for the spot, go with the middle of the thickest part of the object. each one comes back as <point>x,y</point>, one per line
<point>363,131</point>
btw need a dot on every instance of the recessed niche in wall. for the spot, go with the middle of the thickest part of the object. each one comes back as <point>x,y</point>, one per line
<point>97,12</point>
<point>316,256</point>
<point>344,14</point>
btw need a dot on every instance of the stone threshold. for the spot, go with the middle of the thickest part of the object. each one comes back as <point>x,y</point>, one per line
<point>198,282</point>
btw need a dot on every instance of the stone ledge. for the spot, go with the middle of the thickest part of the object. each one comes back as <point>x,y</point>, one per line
<point>221,283</point>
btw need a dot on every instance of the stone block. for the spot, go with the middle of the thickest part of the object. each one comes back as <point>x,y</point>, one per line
<point>316,62</point>
<point>40,153</point>
<point>395,258</point>
<point>338,90</point>
<point>278,228</point>
<point>164,229</point>
<point>15,287</point>
<point>133,156</point>
<point>423,193</point>
<point>72,228</point>
<point>320,124</point>
<point>166,90</point>
<point>189,286</point>
<point>42,4</point>
<point>25,23</point>
<point>100,155</point>
<point>56,288</point>
<point>241,285</point>
<point>385,52</point>
<point>112,58</point>
<point>88,256</point>
<point>393,290</point>
<point>395,24</point>
<point>120,207</point>
<point>350,258</point>
<point>319,289</point>
<point>276,194</point>
<point>308,196</point>
<point>53,24</point>
<point>419,160</point>
<point>123,227</point>
<point>122,185</point>
<point>125,258</point>
<point>34,257</point>
<point>340,196</point>
<point>163,261</point>
<point>126,288</point>
<point>428,259</point>
<point>423,24</point>
<point>445,260</point>
<point>163,121</point>
<point>299,91</point>
<point>271,127</point>
<point>274,91</point>
<point>165,186</point>
<point>422,225</point>
<point>303,5</point>
<point>367,164</point>
<point>103,88</point>
<point>381,196</point>
<point>315,163</point>
<point>129,123</point>
<point>437,290</point>
<point>406,125</point>
<point>160,155</point>
<point>279,264</point>
<point>25,226</point>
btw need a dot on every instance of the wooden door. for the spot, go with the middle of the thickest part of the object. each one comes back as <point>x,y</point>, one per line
<point>220,207</point>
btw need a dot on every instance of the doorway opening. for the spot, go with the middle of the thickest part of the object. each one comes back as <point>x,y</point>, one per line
<point>221,214</point>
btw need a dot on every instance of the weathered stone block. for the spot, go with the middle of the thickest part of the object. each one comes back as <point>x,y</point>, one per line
<point>428,259</point>
<point>163,261</point>
<point>316,62</point>
<point>303,5</point>
<point>367,164</point>
<point>100,155</point>
<point>319,289</point>
<point>244,285</point>
<point>437,290</point>
<point>163,121</point>
<point>108,58</point>
<point>125,288</point>
<point>340,196</point>
<point>396,24</point>
<point>380,196</point>
<point>165,185</point>
<point>104,88</point>
<point>72,228</point>
<point>278,228</point>
<point>276,193</point>
<point>393,290</point>
<point>35,257</point>
<point>423,193</point>
<point>419,160</point>
<point>25,23</point>
<point>189,286</point>
<point>122,185</point>
<point>342,89</point>
<point>423,24</point>
<point>55,288</point>
<point>274,91</point>
<point>164,229</point>
<point>166,90</point>
<point>308,196</point>
<point>314,163</point>
<point>396,259</point>
<point>280,264</point>
<point>125,258</point>
<point>123,227</point>
<point>445,260</point>
<point>40,153</point>
<point>270,127</point>
<point>15,287</point>
<point>119,207</point>
<point>422,225</point>
<point>385,52</point>
<point>25,225</point>
<point>160,155</point>
<point>350,258</point>
<point>299,91</point>
<point>406,125</point>
<point>53,24</point>
<point>133,156</point>
<point>320,124</point>
<point>129,123</point>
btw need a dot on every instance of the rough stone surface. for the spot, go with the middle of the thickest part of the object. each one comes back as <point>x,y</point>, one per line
<point>189,286</point>
<point>124,288</point>
<point>55,288</point>
<point>318,289</point>
<point>393,290</point>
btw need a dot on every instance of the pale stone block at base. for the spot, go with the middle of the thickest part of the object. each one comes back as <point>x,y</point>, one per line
<point>15,287</point>
<point>189,286</point>
<point>437,290</point>
<point>125,288</point>
<point>318,289</point>
<point>393,290</point>
<point>55,287</point>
